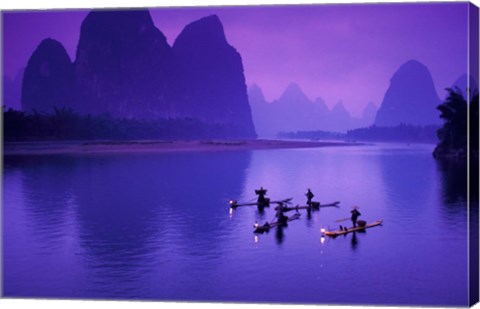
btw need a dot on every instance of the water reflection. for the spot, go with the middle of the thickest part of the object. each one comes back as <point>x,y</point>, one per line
<point>48,188</point>
<point>156,227</point>
<point>453,175</point>
<point>150,198</point>
<point>129,212</point>
<point>261,212</point>
<point>453,179</point>
<point>354,241</point>
<point>279,235</point>
<point>409,174</point>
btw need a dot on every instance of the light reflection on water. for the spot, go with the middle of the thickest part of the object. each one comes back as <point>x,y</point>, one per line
<point>159,227</point>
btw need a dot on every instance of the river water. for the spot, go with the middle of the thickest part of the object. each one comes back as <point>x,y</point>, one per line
<point>158,227</point>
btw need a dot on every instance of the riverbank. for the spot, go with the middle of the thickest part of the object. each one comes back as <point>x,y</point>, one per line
<point>156,146</point>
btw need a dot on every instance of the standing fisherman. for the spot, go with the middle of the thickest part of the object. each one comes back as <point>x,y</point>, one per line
<point>355,214</point>
<point>309,195</point>
<point>261,201</point>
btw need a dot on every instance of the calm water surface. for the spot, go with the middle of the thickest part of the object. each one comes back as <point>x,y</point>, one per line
<point>157,226</point>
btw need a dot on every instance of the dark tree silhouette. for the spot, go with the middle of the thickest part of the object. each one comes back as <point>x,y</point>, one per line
<point>404,133</point>
<point>14,122</point>
<point>66,124</point>
<point>453,136</point>
<point>401,133</point>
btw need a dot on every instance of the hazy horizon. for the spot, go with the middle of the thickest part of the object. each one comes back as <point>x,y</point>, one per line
<point>334,51</point>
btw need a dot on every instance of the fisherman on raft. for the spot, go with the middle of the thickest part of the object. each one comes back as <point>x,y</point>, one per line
<point>309,196</point>
<point>355,214</point>
<point>262,201</point>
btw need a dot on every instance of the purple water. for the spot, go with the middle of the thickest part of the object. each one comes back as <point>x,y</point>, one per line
<point>158,226</point>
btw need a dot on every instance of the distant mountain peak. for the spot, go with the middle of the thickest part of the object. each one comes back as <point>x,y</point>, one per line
<point>293,87</point>
<point>255,87</point>
<point>122,53</point>
<point>118,23</point>
<point>370,111</point>
<point>47,81</point>
<point>50,43</point>
<point>411,97</point>
<point>409,68</point>
<point>117,17</point>
<point>339,106</point>
<point>412,63</point>
<point>124,67</point>
<point>212,83</point>
<point>319,101</point>
<point>212,21</point>
<point>254,91</point>
<point>51,48</point>
<point>293,92</point>
<point>371,105</point>
<point>320,107</point>
<point>209,29</point>
<point>339,110</point>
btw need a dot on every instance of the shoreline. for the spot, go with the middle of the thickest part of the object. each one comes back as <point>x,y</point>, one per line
<point>154,146</point>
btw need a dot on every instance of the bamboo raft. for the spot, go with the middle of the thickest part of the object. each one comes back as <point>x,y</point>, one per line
<point>267,226</point>
<point>352,229</point>
<point>314,205</point>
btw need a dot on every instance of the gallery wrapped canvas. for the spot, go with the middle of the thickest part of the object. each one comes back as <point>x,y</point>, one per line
<point>288,154</point>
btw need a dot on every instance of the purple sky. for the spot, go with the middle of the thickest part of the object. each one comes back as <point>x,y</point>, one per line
<point>343,52</point>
